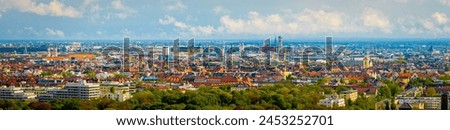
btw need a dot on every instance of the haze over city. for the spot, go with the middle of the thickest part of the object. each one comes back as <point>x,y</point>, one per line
<point>232,19</point>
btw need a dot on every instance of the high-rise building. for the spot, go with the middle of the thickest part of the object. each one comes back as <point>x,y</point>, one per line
<point>275,40</point>
<point>126,55</point>
<point>229,57</point>
<point>329,45</point>
<point>279,47</point>
<point>166,55</point>
<point>25,51</point>
<point>241,49</point>
<point>431,49</point>
<point>151,56</point>
<point>176,51</point>
<point>266,42</point>
<point>280,42</point>
<point>191,51</point>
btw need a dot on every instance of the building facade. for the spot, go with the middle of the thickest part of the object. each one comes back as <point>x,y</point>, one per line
<point>15,93</point>
<point>80,90</point>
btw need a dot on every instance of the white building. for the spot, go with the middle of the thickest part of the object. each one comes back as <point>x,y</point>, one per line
<point>188,86</point>
<point>121,94</point>
<point>81,90</point>
<point>330,101</point>
<point>431,103</point>
<point>15,93</point>
<point>75,46</point>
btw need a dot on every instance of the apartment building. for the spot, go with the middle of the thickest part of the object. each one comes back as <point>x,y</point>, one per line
<point>15,93</point>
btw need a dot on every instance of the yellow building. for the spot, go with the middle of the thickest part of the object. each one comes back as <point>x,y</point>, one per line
<point>349,94</point>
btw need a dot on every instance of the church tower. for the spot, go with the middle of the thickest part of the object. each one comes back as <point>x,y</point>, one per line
<point>367,62</point>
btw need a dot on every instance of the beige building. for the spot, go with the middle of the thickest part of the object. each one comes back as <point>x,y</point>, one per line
<point>332,100</point>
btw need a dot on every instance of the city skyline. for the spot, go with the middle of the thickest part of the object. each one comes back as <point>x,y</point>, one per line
<point>108,20</point>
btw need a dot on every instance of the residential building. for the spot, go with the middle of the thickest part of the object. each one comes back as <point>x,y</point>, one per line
<point>349,94</point>
<point>116,93</point>
<point>430,103</point>
<point>332,101</point>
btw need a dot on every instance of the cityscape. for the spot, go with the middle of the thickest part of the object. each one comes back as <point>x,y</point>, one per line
<point>404,75</point>
<point>59,55</point>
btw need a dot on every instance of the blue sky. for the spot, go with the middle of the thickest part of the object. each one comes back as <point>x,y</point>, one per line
<point>224,19</point>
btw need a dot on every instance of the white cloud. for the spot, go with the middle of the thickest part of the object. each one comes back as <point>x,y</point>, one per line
<point>177,5</point>
<point>428,25</point>
<point>220,10</point>
<point>123,11</point>
<point>445,2</point>
<point>30,30</point>
<point>127,33</point>
<point>167,20</point>
<point>190,18</point>
<point>54,33</point>
<point>92,8</point>
<point>54,8</point>
<point>188,29</point>
<point>304,22</point>
<point>402,1</point>
<point>437,24</point>
<point>410,25</point>
<point>440,18</point>
<point>376,19</point>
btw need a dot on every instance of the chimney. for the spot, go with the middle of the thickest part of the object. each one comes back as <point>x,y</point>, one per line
<point>444,101</point>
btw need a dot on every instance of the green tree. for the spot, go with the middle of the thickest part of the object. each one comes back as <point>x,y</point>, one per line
<point>66,74</point>
<point>352,81</point>
<point>328,90</point>
<point>120,76</point>
<point>444,77</point>
<point>384,92</point>
<point>393,105</point>
<point>430,92</point>
<point>90,74</point>
<point>429,81</point>
<point>112,90</point>
<point>321,81</point>
<point>340,89</point>
<point>46,74</point>
<point>40,106</point>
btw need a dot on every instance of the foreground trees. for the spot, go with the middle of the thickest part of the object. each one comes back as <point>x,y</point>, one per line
<point>282,96</point>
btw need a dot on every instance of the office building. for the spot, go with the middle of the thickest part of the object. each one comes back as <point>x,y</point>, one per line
<point>126,55</point>
<point>190,51</point>
<point>15,93</point>
<point>266,43</point>
<point>80,90</point>
<point>176,51</point>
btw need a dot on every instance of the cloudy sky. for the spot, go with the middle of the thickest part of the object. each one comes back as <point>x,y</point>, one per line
<point>225,19</point>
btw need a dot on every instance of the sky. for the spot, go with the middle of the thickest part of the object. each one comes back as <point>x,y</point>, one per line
<point>222,19</point>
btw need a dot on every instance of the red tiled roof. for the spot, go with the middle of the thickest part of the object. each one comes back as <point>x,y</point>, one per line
<point>405,75</point>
